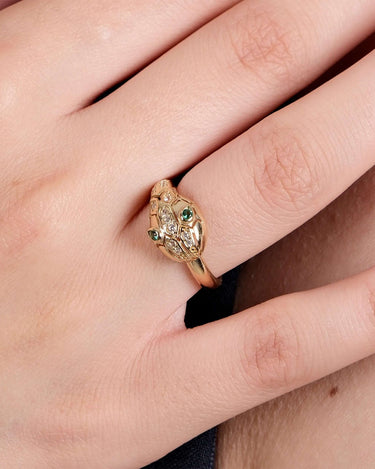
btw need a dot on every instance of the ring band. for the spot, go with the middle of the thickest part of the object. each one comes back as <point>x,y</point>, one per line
<point>178,229</point>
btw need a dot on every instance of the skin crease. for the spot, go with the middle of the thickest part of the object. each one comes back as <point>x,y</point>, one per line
<point>329,423</point>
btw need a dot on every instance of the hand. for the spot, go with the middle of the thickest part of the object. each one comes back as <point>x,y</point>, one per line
<point>97,367</point>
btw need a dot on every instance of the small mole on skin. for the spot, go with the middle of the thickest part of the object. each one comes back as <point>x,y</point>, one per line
<point>333,391</point>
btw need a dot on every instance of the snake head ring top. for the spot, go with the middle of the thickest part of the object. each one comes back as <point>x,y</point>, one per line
<point>178,229</point>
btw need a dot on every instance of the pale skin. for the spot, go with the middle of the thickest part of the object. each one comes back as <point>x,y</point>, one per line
<point>96,365</point>
<point>329,423</point>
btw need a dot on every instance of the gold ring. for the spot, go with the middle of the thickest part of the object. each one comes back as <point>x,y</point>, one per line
<point>178,229</point>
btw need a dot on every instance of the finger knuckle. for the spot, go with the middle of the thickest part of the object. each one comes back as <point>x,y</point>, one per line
<point>271,352</point>
<point>265,42</point>
<point>287,168</point>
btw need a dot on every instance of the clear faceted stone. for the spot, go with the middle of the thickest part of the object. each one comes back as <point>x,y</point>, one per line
<point>154,205</point>
<point>172,227</point>
<point>173,246</point>
<point>187,238</point>
<point>167,197</point>
<point>165,215</point>
<point>166,218</point>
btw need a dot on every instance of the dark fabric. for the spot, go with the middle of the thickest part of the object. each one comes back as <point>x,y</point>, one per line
<point>206,306</point>
<point>212,304</point>
<point>195,454</point>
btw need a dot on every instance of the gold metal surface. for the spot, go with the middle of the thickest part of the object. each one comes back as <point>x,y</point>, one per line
<point>178,229</point>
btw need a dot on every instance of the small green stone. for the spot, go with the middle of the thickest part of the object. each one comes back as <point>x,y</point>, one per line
<point>187,214</point>
<point>154,235</point>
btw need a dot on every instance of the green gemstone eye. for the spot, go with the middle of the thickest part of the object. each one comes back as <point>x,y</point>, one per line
<point>187,214</point>
<point>154,235</point>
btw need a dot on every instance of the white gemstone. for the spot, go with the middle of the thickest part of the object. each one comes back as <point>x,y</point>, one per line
<point>166,219</point>
<point>167,197</point>
<point>172,227</point>
<point>187,238</point>
<point>154,205</point>
<point>165,215</point>
<point>173,246</point>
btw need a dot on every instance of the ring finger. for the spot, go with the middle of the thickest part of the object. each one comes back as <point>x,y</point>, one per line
<point>276,176</point>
